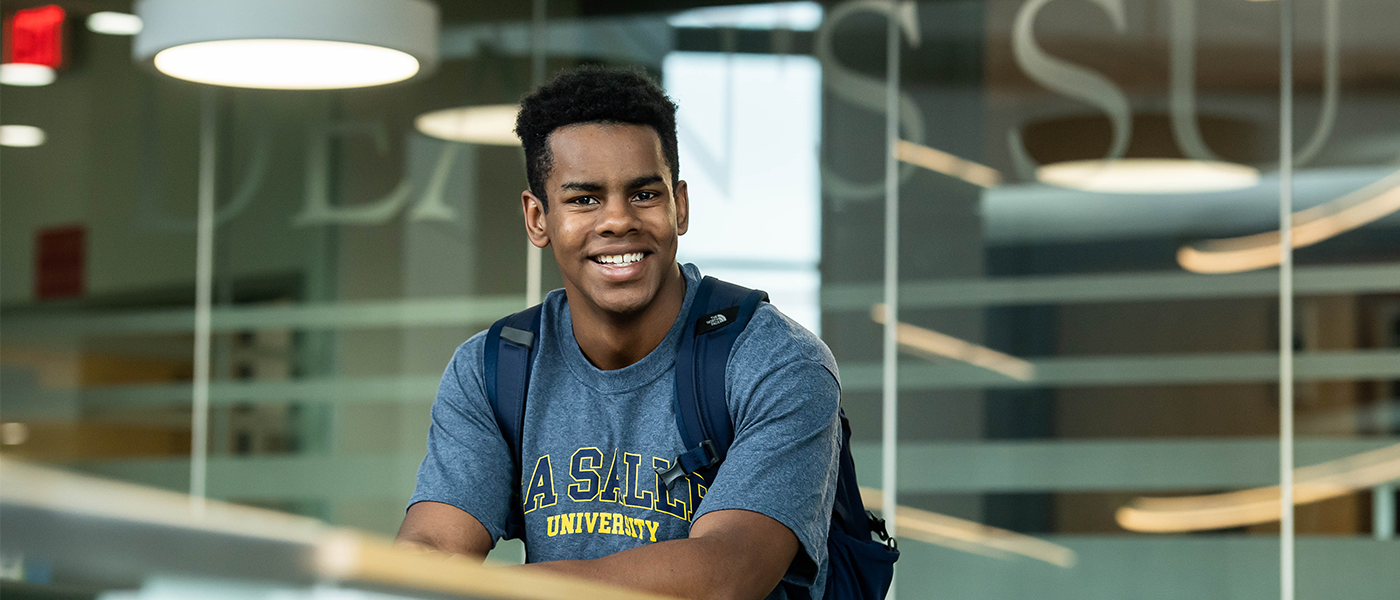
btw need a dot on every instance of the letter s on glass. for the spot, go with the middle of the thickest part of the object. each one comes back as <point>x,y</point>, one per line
<point>866,91</point>
<point>1068,79</point>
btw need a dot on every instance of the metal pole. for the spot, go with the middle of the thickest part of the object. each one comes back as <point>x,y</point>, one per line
<point>204,287</point>
<point>890,429</point>
<point>1285,303</point>
<point>534,265</point>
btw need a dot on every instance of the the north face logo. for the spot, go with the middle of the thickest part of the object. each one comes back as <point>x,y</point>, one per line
<point>713,321</point>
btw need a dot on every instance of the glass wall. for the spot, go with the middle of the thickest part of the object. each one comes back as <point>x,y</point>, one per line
<point>1088,292</point>
<point>1340,114</point>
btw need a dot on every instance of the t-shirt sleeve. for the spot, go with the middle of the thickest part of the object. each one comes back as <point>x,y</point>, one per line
<point>784,396</point>
<point>468,464</point>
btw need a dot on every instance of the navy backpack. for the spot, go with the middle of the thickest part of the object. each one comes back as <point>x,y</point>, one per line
<point>860,567</point>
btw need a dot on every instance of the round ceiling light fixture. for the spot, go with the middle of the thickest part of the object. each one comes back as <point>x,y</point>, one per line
<point>288,44</point>
<point>114,23</point>
<point>25,74</point>
<point>492,125</point>
<point>1148,175</point>
<point>1067,149</point>
<point>21,136</point>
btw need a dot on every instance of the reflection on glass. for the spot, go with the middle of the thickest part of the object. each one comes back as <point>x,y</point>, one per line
<point>934,345</point>
<point>1316,483</point>
<point>969,536</point>
<point>939,161</point>
<point>1310,226</point>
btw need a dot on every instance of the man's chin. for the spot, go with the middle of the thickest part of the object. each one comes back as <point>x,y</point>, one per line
<point>623,298</point>
<point>622,302</point>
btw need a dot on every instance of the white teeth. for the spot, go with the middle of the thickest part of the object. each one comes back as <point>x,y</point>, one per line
<point>620,259</point>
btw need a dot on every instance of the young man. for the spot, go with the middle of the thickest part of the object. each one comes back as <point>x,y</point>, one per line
<point>604,193</point>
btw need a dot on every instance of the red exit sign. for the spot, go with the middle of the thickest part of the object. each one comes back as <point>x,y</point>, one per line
<point>35,36</point>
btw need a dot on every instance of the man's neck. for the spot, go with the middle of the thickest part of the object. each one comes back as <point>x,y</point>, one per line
<point>613,341</point>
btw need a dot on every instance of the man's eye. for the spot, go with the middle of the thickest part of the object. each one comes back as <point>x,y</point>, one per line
<point>584,200</point>
<point>646,195</point>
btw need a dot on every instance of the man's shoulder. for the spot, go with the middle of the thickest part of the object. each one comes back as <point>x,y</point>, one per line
<point>773,339</point>
<point>467,358</point>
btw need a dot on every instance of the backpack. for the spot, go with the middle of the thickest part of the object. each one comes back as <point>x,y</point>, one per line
<point>859,567</point>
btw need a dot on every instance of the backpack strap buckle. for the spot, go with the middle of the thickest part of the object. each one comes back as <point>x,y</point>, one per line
<point>877,527</point>
<point>700,457</point>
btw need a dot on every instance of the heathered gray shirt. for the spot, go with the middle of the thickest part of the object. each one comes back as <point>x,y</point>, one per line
<point>592,439</point>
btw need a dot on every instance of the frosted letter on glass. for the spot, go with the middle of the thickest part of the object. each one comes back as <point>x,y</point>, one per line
<point>1068,79</point>
<point>867,92</point>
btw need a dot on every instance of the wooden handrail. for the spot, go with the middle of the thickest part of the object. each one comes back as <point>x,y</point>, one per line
<point>325,553</point>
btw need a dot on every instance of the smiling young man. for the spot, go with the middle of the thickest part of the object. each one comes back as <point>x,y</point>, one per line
<point>605,195</point>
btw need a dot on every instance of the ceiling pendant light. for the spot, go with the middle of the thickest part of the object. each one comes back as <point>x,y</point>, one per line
<point>492,125</point>
<point>1149,175</point>
<point>114,23</point>
<point>26,74</point>
<point>21,136</point>
<point>288,44</point>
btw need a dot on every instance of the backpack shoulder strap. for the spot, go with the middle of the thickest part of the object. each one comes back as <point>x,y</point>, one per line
<point>508,357</point>
<point>718,314</point>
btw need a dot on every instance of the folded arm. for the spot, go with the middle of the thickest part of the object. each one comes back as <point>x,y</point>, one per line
<point>729,554</point>
<point>443,528</point>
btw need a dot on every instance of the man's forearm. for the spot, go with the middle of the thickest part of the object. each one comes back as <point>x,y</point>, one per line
<point>704,567</point>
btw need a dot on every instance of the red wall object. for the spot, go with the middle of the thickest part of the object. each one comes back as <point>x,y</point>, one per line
<point>60,260</point>
<point>35,36</point>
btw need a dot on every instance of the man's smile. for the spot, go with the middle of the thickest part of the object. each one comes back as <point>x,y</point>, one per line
<point>618,267</point>
<point>619,259</point>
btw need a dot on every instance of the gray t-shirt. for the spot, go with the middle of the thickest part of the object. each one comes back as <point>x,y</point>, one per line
<point>592,439</point>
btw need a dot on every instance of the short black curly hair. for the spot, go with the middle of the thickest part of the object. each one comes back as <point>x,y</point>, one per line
<point>592,94</point>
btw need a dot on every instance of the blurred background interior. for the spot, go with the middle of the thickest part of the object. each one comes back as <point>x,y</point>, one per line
<point>1088,220</point>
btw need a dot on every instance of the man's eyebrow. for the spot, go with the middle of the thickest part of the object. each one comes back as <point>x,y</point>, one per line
<point>643,181</point>
<point>592,186</point>
<point>582,186</point>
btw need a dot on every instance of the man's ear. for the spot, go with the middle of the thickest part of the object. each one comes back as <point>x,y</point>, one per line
<point>534,219</point>
<point>682,208</point>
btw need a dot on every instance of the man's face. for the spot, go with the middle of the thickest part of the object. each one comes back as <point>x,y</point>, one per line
<point>613,216</point>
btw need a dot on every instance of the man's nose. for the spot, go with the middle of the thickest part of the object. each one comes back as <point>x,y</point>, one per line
<point>619,217</point>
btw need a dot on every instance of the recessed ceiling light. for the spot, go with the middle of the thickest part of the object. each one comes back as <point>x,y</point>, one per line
<point>286,64</point>
<point>114,23</point>
<point>286,45</point>
<point>21,136</point>
<point>492,125</point>
<point>26,74</point>
<point>1148,175</point>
